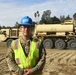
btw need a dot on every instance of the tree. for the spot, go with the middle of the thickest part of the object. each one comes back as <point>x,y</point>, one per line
<point>16,24</point>
<point>46,17</point>
<point>62,18</point>
<point>37,15</point>
<point>56,20</point>
<point>74,16</point>
<point>68,18</point>
<point>0,27</point>
<point>3,26</point>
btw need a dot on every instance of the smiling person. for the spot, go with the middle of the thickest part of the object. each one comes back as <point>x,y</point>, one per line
<point>27,55</point>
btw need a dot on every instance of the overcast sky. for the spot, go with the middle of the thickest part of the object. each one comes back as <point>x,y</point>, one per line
<point>11,11</point>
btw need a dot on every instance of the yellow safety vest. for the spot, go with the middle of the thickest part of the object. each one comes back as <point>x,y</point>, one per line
<point>20,57</point>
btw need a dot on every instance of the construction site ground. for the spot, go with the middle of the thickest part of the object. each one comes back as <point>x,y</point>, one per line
<point>58,62</point>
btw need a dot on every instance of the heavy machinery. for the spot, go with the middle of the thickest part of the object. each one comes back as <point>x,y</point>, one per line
<point>8,34</point>
<point>59,36</point>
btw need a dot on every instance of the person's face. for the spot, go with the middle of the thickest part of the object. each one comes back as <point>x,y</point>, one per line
<point>26,31</point>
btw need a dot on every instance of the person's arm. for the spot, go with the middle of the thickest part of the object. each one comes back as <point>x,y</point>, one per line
<point>12,64</point>
<point>42,59</point>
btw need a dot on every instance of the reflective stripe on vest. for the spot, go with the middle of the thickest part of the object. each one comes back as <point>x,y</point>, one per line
<point>20,57</point>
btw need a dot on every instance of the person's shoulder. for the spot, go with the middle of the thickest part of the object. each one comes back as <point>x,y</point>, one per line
<point>14,41</point>
<point>14,44</point>
<point>38,42</point>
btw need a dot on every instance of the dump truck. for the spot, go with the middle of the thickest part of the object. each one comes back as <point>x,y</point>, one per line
<point>59,36</point>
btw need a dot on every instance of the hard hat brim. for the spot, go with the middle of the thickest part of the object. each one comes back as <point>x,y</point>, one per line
<point>26,25</point>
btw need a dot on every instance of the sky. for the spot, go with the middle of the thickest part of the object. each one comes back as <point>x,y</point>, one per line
<point>11,11</point>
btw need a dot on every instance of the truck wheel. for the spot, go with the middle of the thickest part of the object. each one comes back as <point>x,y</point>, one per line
<point>60,44</point>
<point>48,43</point>
<point>8,43</point>
<point>72,44</point>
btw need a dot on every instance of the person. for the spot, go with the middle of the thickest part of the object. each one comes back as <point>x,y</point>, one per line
<point>27,55</point>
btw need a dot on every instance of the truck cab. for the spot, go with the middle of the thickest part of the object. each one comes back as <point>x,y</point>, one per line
<point>9,34</point>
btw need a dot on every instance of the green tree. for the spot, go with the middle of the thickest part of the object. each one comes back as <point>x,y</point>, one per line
<point>74,16</point>
<point>68,17</point>
<point>37,15</point>
<point>62,18</point>
<point>0,27</point>
<point>55,20</point>
<point>3,26</point>
<point>16,24</point>
<point>46,17</point>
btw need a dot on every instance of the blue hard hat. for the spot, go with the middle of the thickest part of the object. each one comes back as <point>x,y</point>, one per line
<point>26,21</point>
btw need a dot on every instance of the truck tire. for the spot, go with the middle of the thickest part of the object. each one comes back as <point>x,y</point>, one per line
<point>72,44</point>
<point>60,44</point>
<point>8,43</point>
<point>48,43</point>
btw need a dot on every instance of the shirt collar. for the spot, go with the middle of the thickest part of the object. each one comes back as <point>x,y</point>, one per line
<point>22,41</point>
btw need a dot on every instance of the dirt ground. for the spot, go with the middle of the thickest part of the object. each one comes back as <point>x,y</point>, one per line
<point>58,62</point>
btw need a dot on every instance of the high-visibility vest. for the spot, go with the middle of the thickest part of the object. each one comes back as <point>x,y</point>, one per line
<point>24,61</point>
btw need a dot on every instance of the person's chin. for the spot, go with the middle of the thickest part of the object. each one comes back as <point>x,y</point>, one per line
<point>25,34</point>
